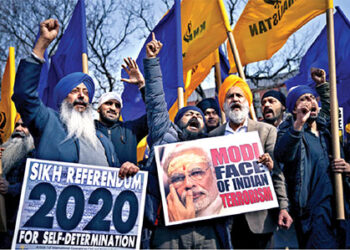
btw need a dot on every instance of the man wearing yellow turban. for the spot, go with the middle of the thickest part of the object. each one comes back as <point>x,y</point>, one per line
<point>252,230</point>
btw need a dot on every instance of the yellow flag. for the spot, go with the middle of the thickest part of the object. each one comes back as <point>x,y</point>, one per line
<point>203,25</point>
<point>199,72</point>
<point>141,148</point>
<point>265,25</point>
<point>7,107</point>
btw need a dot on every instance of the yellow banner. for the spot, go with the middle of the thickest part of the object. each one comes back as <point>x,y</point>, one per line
<point>204,26</point>
<point>7,107</point>
<point>265,25</point>
<point>141,149</point>
<point>199,72</point>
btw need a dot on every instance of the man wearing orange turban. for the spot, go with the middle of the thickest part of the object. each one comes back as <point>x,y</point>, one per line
<point>255,229</point>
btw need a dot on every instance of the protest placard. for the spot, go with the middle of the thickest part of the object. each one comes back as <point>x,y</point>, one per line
<point>68,205</point>
<point>214,177</point>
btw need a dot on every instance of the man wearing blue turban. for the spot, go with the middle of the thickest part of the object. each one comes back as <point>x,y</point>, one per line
<point>70,135</point>
<point>303,146</point>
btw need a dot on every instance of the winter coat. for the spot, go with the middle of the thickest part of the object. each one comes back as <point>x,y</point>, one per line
<point>163,131</point>
<point>44,123</point>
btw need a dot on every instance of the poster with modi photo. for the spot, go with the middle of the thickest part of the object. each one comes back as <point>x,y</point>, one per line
<point>213,177</point>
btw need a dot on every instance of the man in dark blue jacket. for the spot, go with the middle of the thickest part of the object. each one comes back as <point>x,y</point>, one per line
<point>303,146</point>
<point>124,135</point>
<point>189,124</point>
<point>212,113</point>
<point>70,135</point>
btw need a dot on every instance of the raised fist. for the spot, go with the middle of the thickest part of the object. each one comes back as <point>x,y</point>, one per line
<point>48,32</point>
<point>318,76</point>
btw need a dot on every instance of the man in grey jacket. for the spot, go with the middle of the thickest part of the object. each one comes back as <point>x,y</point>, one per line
<point>188,125</point>
<point>252,230</point>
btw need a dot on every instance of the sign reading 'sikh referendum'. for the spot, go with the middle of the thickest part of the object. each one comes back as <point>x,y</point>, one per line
<point>67,205</point>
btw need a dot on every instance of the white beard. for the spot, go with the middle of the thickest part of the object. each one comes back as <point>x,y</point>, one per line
<point>79,124</point>
<point>15,150</point>
<point>236,116</point>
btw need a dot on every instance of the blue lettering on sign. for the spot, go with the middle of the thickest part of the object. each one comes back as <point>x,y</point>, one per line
<point>41,219</point>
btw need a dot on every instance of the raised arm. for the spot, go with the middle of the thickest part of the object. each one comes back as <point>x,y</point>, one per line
<point>322,88</point>
<point>48,32</point>
<point>156,107</point>
<point>135,75</point>
<point>139,126</point>
<point>25,96</point>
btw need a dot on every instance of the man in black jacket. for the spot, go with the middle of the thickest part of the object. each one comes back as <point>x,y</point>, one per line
<point>124,135</point>
<point>17,149</point>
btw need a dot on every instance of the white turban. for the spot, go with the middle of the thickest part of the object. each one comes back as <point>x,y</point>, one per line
<point>110,96</point>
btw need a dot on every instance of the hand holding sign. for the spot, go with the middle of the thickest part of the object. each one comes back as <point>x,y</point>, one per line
<point>177,211</point>
<point>266,160</point>
<point>128,169</point>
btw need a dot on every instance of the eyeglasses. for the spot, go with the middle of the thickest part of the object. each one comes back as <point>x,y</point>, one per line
<point>196,174</point>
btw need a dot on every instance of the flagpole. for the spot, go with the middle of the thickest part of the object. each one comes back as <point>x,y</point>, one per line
<point>180,96</point>
<point>239,66</point>
<point>235,51</point>
<point>218,79</point>
<point>180,89</point>
<point>187,83</point>
<point>334,112</point>
<point>85,63</point>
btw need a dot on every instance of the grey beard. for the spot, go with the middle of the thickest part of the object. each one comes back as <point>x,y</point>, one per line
<point>79,124</point>
<point>16,149</point>
<point>236,116</point>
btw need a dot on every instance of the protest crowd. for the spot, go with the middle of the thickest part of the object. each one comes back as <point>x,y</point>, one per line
<point>294,134</point>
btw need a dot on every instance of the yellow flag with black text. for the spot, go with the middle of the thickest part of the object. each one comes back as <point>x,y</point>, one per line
<point>204,26</point>
<point>265,26</point>
<point>7,107</point>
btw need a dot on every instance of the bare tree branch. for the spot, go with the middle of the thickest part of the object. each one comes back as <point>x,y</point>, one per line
<point>111,24</point>
<point>168,3</point>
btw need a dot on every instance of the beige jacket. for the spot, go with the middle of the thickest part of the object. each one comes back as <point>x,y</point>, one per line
<point>264,221</point>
